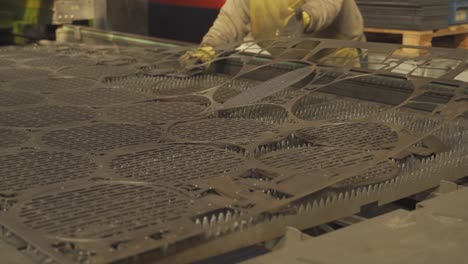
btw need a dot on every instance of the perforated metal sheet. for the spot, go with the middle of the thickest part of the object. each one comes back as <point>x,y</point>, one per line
<point>13,74</point>
<point>12,138</point>
<point>315,157</point>
<point>53,84</point>
<point>8,98</point>
<point>136,82</point>
<point>44,116</point>
<point>368,136</point>
<point>178,163</point>
<point>381,172</point>
<point>100,97</point>
<point>59,62</point>
<point>29,169</point>
<point>6,63</point>
<point>183,86</point>
<point>135,177</point>
<point>102,137</point>
<point>96,72</point>
<point>154,112</point>
<point>320,108</point>
<point>102,210</point>
<point>221,129</point>
<point>231,89</point>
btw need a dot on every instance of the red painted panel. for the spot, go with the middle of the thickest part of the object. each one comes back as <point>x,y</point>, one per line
<point>215,4</point>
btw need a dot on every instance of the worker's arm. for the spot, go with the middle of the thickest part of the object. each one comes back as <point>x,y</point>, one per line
<point>322,13</point>
<point>232,24</point>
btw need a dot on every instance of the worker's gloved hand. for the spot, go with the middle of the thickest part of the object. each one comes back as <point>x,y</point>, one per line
<point>196,59</point>
<point>296,24</point>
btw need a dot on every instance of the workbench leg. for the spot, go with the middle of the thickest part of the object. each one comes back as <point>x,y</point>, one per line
<point>462,41</point>
<point>416,39</point>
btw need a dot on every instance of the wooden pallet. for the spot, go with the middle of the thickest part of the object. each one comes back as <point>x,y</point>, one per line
<point>425,38</point>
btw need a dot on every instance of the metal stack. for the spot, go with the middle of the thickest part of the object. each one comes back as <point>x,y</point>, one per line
<point>411,15</point>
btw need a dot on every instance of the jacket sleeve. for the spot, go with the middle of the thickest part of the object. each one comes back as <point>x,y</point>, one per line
<point>322,13</point>
<point>232,24</point>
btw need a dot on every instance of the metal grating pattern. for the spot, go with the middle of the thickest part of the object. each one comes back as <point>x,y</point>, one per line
<point>59,62</point>
<point>44,116</point>
<point>6,63</point>
<point>96,72</point>
<point>8,98</point>
<point>221,129</point>
<point>100,97</point>
<point>369,136</point>
<point>12,74</point>
<point>101,137</point>
<point>232,89</point>
<point>154,112</point>
<point>183,86</point>
<point>150,162</point>
<point>102,210</point>
<point>136,82</point>
<point>177,164</point>
<point>382,171</point>
<point>12,138</point>
<point>320,108</point>
<point>315,157</point>
<point>53,84</point>
<point>41,168</point>
<point>266,113</point>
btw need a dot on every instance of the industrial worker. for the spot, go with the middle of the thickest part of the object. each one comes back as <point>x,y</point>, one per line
<point>268,19</point>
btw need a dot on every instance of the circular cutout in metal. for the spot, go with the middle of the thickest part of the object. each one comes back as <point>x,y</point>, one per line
<point>102,137</point>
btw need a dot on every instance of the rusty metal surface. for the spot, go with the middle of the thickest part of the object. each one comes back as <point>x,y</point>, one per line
<point>107,160</point>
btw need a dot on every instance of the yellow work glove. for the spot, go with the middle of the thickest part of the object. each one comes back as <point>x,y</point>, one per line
<point>296,23</point>
<point>200,58</point>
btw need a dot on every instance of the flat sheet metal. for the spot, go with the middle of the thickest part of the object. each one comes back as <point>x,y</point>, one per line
<point>104,162</point>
